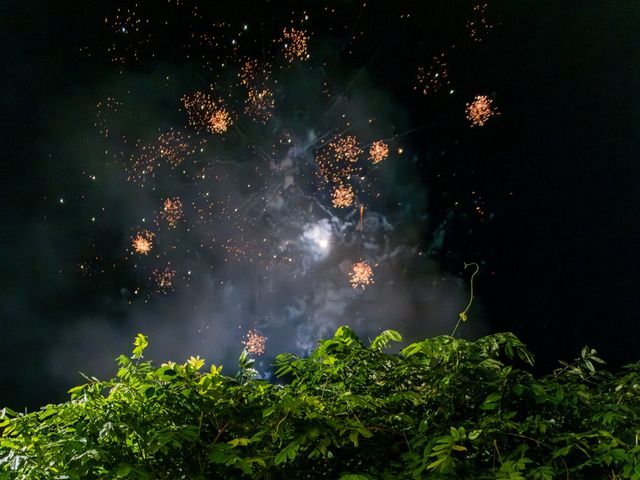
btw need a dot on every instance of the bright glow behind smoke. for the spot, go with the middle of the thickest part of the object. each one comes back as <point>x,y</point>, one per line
<point>317,239</point>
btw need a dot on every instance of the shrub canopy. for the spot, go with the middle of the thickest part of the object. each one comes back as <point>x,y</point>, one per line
<point>441,408</point>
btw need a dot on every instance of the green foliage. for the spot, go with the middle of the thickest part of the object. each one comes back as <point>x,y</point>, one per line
<point>443,408</point>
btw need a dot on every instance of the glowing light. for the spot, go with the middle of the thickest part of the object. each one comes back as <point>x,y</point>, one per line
<point>361,275</point>
<point>343,197</point>
<point>254,343</point>
<point>295,44</point>
<point>480,111</point>
<point>143,242</point>
<point>317,237</point>
<point>378,151</point>
<point>172,211</point>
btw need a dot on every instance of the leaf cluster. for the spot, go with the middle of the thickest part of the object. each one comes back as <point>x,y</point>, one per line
<point>442,408</point>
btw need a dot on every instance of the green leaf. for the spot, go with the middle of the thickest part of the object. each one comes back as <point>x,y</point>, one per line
<point>239,442</point>
<point>140,343</point>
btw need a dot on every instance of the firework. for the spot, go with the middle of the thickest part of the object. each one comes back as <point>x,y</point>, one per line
<point>254,343</point>
<point>219,121</point>
<point>164,279</point>
<point>480,110</point>
<point>432,79</point>
<point>175,146</point>
<point>343,197</point>
<point>128,35</point>
<point>361,275</point>
<point>259,104</point>
<point>378,151</point>
<point>295,43</point>
<point>172,211</point>
<point>478,25</point>
<point>205,113</point>
<point>338,160</point>
<point>105,110</point>
<point>142,164</point>
<point>143,242</point>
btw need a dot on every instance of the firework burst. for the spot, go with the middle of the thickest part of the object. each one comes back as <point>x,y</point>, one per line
<point>338,160</point>
<point>343,197</point>
<point>295,43</point>
<point>378,151</point>
<point>480,111</point>
<point>143,242</point>
<point>172,211</point>
<point>361,275</point>
<point>254,343</point>
<point>163,279</point>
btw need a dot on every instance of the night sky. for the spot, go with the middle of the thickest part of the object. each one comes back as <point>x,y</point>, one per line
<point>274,157</point>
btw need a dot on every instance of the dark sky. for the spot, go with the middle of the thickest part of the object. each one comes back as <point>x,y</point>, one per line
<point>544,196</point>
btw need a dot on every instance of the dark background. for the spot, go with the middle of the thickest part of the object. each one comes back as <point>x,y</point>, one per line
<point>558,169</point>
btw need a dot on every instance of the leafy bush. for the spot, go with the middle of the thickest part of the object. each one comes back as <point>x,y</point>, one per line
<point>441,408</point>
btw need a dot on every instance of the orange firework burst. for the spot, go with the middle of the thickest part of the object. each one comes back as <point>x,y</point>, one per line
<point>480,110</point>
<point>143,242</point>
<point>164,279</point>
<point>219,121</point>
<point>337,161</point>
<point>172,211</point>
<point>254,343</point>
<point>175,146</point>
<point>378,151</point>
<point>343,197</point>
<point>361,275</point>
<point>205,113</point>
<point>295,44</point>
<point>260,104</point>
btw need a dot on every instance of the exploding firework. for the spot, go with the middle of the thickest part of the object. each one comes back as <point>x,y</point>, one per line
<point>342,197</point>
<point>338,160</point>
<point>176,146</point>
<point>205,113</point>
<point>478,25</point>
<point>361,275</point>
<point>433,78</point>
<point>295,43</point>
<point>172,211</point>
<point>254,343</point>
<point>143,242</point>
<point>480,110</point>
<point>259,104</point>
<point>378,151</point>
<point>142,164</point>
<point>164,279</point>
<point>219,121</point>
